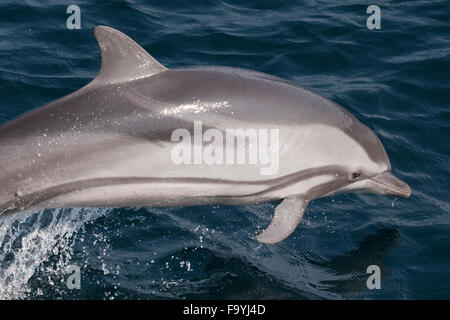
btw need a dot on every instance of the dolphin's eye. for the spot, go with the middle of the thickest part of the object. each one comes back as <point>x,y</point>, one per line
<point>356,175</point>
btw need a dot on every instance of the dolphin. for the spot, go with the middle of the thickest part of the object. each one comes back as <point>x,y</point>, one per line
<point>111,143</point>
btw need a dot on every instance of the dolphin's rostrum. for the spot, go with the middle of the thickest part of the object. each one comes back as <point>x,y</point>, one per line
<point>109,144</point>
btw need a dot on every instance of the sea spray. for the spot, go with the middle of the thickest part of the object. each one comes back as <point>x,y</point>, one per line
<point>29,239</point>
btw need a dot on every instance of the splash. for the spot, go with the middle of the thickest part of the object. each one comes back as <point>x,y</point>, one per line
<point>28,239</point>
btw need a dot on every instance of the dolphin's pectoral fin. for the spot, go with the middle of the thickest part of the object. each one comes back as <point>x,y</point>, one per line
<point>122,58</point>
<point>287,216</point>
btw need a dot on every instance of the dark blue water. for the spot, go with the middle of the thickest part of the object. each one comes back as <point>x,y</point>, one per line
<point>395,80</point>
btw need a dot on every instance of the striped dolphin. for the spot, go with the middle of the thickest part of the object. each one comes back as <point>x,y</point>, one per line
<point>111,143</point>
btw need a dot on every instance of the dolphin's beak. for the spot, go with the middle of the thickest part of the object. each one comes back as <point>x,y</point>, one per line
<point>392,185</point>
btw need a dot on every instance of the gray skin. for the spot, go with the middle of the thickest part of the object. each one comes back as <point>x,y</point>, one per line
<point>109,144</point>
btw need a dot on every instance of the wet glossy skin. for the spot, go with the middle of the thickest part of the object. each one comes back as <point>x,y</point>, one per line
<point>109,143</point>
<point>64,140</point>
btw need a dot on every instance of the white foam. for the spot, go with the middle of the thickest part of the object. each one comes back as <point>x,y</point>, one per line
<point>28,239</point>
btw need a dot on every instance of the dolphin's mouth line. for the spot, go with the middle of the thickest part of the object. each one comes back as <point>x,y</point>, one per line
<point>389,187</point>
<point>384,178</point>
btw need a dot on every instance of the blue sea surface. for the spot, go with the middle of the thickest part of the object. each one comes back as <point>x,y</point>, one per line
<point>395,80</point>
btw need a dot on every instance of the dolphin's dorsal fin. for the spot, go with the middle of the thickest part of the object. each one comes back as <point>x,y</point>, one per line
<point>287,216</point>
<point>122,58</point>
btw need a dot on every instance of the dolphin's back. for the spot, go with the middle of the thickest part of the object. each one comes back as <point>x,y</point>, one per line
<point>250,95</point>
<point>248,98</point>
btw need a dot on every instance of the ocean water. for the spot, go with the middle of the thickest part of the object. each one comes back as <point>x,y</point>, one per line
<point>395,80</point>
